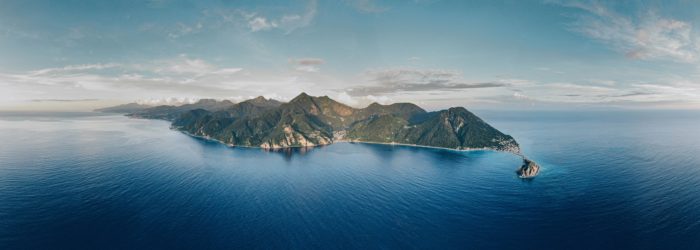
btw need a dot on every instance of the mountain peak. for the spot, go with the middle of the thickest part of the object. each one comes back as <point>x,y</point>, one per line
<point>457,109</point>
<point>258,99</point>
<point>374,105</point>
<point>301,97</point>
<point>206,101</point>
<point>262,101</point>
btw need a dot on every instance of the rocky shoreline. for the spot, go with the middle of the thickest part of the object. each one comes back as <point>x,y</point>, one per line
<point>308,121</point>
<point>264,146</point>
<point>425,146</point>
<point>528,170</point>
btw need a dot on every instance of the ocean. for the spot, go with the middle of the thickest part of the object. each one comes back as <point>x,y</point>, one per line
<point>609,180</point>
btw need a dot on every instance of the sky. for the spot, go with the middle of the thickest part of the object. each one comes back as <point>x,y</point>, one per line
<point>545,54</point>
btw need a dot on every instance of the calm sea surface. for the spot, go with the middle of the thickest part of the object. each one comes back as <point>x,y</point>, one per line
<point>609,180</point>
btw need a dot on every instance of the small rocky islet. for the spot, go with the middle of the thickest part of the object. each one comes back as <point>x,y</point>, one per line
<point>307,121</point>
<point>529,169</point>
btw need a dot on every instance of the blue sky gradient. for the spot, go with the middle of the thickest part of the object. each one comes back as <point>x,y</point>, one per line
<point>436,53</point>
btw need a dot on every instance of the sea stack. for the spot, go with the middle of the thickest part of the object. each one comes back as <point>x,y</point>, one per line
<point>529,169</point>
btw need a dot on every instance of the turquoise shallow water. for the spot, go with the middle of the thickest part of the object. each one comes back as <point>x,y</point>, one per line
<point>608,180</point>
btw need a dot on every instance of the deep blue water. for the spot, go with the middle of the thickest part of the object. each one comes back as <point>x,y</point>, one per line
<point>610,180</point>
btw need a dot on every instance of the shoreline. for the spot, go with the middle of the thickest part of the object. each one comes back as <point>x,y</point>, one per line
<point>520,176</point>
<point>347,141</point>
<point>424,146</point>
<point>519,154</point>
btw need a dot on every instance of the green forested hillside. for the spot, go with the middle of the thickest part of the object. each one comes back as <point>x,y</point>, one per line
<point>309,121</point>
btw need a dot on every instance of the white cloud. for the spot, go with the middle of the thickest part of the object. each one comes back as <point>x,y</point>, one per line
<point>273,96</point>
<point>379,99</point>
<point>226,71</point>
<point>80,67</point>
<point>287,22</point>
<point>343,97</point>
<point>184,65</point>
<point>585,93</point>
<point>168,101</point>
<point>183,79</point>
<point>520,95</point>
<point>647,36</point>
<point>307,68</point>
<point>261,23</point>
<point>676,91</point>
<point>156,81</point>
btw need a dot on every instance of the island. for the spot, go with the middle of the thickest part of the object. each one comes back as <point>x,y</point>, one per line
<point>124,108</point>
<point>308,121</point>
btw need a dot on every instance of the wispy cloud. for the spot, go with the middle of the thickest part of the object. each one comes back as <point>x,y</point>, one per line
<point>367,6</point>
<point>179,77</point>
<point>643,93</point>
<point>237,19</point>
<point>307,64</point>
<point>417,80</point>
<point>7,30</point>
<point>168,101</point>
<point>183,64</point>
<point>64,100</point>
<point>182,29</point>
<point>73,68</point>
<point>287,22</point>
<point>258,23</point>
<point>647,36</point>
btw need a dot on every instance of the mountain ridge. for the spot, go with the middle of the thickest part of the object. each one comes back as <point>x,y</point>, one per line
<point>307,121</point>
<point>124,108</point>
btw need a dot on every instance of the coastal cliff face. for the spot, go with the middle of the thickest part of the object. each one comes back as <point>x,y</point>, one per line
<point>529,169</point>
<point>311,121</point>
